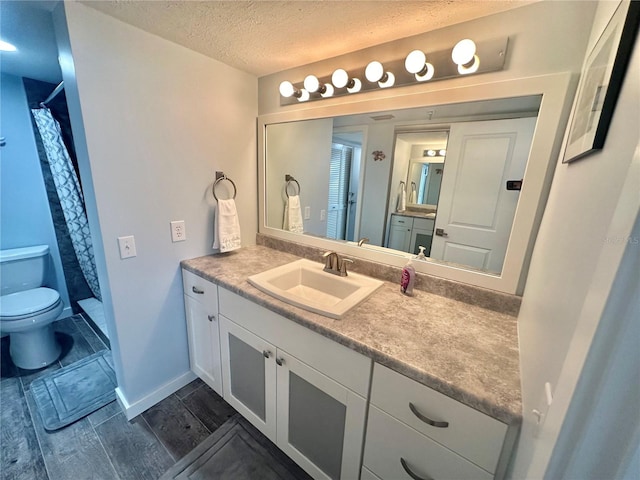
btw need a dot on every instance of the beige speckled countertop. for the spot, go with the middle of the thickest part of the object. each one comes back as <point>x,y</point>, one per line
<point>461,350</point>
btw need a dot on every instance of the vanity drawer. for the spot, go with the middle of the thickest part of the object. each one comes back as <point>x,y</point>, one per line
<point>470,433</point>
<point>201,290</point>
<point>401,221</point>
<point>423,224</point>
<point>390,442</point>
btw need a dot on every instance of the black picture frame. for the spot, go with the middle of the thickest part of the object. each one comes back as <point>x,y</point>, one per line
<point>600,83</point>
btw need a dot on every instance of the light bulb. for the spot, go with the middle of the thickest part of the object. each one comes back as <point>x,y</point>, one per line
<point>287,89</point>
<point>340,78</point>
<point>304,96</point>
<point>311,83</point>
<point>471,67</point>
<point>374,72</point>
<point>328,92</point>
<point>427,75</point>
<point>431,153</point>
<point>463,52</point>
<point>389,81</point>
<point>357,85</point>
<point>442,153</point>
<point>415,61</point>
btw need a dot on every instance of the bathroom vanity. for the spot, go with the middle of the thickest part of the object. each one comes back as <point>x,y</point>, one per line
<point>399,387</point>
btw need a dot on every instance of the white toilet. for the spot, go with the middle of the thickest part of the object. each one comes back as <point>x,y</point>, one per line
<point>27,309</point>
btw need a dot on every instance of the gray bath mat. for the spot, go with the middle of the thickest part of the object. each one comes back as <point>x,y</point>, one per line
<point>236,451</point>
<point>75,391</point>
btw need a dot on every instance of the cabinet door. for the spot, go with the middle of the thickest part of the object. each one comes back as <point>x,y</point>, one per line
<point>399,237</point>
<point>320,422</point>
<point>204,343</point>
<point>249,376</point>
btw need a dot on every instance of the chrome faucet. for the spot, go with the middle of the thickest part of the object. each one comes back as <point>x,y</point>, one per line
<point>362,241</point>
<point>335,264</point>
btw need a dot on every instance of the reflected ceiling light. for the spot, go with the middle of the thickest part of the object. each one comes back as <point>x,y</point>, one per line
<point>464,55</point>
<point>340,79</point>
<point>375,73</point>
<point>7,47</point>
<point>416,63</point>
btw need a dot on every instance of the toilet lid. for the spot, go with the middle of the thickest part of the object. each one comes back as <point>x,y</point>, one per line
<point>28,301</point>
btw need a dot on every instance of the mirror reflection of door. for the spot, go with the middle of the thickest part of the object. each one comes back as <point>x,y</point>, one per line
<point>344,174</point>
<point>475,211</point>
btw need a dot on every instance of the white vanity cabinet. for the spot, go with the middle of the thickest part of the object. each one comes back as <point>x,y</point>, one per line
<point>201,307</point>
<point>407,232</point>
<point>414,432</point>
<point>306,393</point>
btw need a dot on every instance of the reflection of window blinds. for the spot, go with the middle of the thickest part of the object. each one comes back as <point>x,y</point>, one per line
<point>339,170</point>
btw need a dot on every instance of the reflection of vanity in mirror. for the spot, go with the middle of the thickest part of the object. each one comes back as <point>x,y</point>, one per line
<point>431,175</point>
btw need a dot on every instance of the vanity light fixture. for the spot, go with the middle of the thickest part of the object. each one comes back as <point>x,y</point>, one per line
<point>464,55</point>
<point>416,63</point>
<point>375,73</point>
<point>434,153</point>
<point>416,67</point>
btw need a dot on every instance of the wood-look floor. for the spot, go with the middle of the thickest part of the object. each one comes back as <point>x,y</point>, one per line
<point>103,445</point>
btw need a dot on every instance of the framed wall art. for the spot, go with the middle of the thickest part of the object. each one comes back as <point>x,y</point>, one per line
<point>600,83</point>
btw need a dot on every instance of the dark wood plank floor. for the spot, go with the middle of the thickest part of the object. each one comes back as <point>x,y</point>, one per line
<point>103,445</point>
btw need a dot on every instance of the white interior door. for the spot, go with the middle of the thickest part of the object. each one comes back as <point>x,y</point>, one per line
<point>475,210</point>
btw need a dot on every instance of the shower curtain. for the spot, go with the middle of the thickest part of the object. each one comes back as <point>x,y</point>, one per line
<point>70,194</point>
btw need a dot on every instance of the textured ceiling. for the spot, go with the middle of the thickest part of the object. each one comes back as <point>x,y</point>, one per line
<point>263,37</point>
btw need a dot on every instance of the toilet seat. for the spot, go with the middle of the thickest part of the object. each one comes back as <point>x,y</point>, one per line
<point>28,303</point>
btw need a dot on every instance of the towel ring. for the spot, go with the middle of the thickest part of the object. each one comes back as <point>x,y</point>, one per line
<point>290,179</point>
<point>219,178</point>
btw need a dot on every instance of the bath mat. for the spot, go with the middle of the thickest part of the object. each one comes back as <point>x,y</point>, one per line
<point>235,451</point>
<point>75,391</point>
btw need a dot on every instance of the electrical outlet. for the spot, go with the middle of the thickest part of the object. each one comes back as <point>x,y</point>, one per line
<point>307,213</point>
<point>323,215</point>
<point>127,247</point>
<point>178,232</point>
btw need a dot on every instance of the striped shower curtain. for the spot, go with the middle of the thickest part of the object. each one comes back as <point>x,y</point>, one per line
<point>70,194</point>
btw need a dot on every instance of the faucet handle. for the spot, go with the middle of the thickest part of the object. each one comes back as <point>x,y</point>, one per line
<point>328,256</point>
<point>343,266</point>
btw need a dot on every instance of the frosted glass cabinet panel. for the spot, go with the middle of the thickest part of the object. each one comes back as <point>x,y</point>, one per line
<point>249,376</point>
<point>318,420</point>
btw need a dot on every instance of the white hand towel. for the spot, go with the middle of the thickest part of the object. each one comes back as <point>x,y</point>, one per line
<point>414,196</point>
<point>293,215</point>
<point>226,235</point>
<point>402,198</point>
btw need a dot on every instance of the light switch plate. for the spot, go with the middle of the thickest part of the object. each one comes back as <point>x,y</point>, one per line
<point>127,247</point>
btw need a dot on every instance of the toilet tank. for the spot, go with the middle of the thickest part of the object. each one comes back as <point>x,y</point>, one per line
<point>23,268</point>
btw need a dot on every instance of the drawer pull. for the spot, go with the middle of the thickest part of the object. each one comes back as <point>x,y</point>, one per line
<point>197,290</point>
<point>410,473</point>
<point>211,317</point>
<point>427,420</point>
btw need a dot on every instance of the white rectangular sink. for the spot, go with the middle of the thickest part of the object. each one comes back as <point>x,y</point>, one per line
<point>303,283</point>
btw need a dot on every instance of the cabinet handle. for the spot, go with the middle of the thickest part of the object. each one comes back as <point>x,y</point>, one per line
<point>280,361</point>
<point>211,318</point>
<point>410,473</point>
<point>428,421</point>
<point>195,289</point>
<point>266,353</point>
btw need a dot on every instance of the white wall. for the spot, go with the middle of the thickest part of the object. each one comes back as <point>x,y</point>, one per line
<point>159,120</point>
<point>25,217</point>
<point>587,224</point>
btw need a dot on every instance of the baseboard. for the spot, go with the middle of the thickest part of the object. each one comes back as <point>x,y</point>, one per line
<point>134,409</point>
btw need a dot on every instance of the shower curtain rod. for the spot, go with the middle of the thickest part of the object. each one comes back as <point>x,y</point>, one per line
<point>53,94</point>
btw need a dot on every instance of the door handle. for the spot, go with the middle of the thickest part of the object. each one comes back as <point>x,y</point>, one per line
<point>211,317</point>
<point>280,361</point>
<point>441,233</point>
<point>197,290</point>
